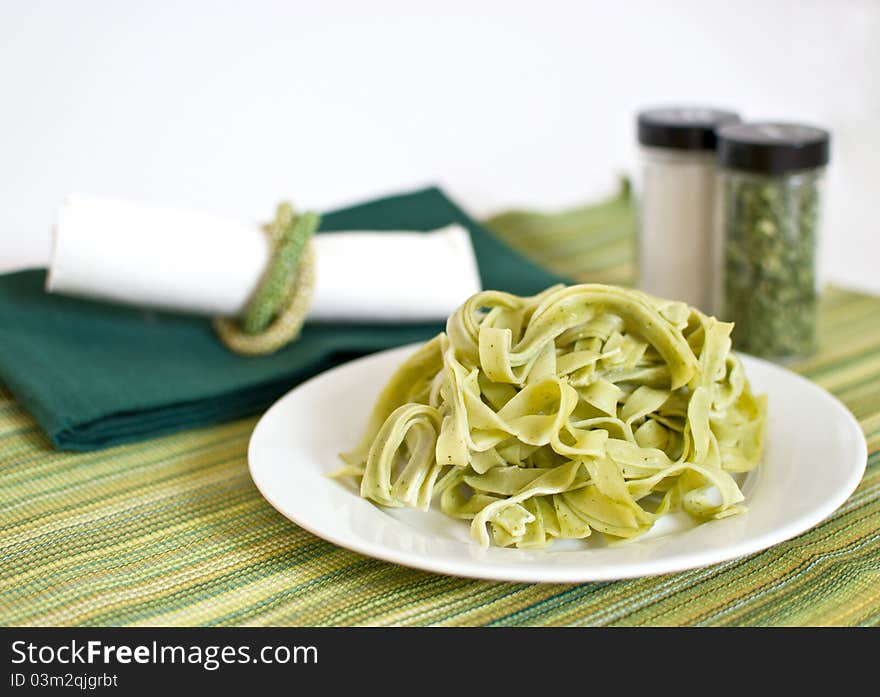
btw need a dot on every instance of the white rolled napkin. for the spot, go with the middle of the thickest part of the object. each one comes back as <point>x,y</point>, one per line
<point>173,259</point>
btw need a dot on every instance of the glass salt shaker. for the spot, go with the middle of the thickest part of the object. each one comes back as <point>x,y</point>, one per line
<point>676,202</point>
<point>767,236</point>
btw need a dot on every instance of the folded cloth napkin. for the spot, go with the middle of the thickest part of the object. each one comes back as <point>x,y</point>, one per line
<point>187,261</point>
<point>95,375</point>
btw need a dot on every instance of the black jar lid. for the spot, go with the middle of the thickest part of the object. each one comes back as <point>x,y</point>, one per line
<point>682,127</point>
<point>773,148</point>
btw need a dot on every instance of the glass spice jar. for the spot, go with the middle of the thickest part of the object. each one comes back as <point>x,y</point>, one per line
<point>676,201</point>
<point>767,235</point>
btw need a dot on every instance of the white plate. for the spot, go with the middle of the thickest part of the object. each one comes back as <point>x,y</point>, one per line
<point>815,456</point>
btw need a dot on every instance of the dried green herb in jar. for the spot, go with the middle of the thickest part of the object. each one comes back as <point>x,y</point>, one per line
<point>770,201</point>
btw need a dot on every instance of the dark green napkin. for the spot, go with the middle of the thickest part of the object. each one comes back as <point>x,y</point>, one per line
<point>95,375</point>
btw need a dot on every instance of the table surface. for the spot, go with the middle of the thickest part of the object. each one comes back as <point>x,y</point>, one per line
<point>172,531</point>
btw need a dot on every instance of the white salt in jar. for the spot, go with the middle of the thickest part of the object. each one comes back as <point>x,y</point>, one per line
<point>677,202</point>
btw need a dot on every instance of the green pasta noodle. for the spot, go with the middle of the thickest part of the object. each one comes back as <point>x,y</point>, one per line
<point>583,408</point>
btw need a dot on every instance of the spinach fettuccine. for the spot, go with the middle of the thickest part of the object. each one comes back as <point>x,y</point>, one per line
<point>584,408</point>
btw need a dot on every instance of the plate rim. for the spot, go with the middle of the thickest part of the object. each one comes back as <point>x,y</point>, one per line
<point>683,561</point>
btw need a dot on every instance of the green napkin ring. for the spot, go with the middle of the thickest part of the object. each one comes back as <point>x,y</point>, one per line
<point>275,313</point>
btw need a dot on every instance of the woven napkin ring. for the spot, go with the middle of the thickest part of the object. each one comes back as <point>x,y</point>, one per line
<point>276,311</point>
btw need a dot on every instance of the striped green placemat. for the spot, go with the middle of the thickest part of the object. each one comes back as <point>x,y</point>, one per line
<point>173,532</point>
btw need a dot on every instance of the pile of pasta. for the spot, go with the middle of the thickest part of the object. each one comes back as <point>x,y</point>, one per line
<point>583,408</point>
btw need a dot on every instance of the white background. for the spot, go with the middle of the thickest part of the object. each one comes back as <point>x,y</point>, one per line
<point>231,106</point>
